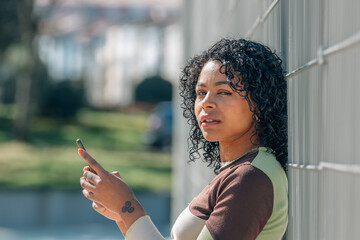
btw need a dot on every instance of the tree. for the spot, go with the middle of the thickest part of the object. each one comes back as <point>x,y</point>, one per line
<point>18,30</point>
<point>153,89</point>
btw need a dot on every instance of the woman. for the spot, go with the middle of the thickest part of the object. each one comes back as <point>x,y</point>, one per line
<point>234,97</point>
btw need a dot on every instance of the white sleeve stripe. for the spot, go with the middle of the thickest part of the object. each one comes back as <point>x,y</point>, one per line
<point>204,234</point>
<point>187,226</point>
<point>143,228</point>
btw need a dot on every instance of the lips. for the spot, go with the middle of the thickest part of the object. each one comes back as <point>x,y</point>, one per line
<point>208,121</point>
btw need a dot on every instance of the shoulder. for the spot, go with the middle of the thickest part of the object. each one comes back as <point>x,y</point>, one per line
<point>244,174</point>
<point>245,180</point>
<point>244,203</point>
<point>266,162</point>
<point>260,166</point>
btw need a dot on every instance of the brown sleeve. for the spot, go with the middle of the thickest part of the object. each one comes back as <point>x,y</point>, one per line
<point>244,203</point>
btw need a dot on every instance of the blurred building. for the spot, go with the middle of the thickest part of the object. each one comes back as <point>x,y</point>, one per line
<point>112,45</point>
<point>319,42</point>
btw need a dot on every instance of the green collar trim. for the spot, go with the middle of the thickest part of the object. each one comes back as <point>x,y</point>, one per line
<point>227,164</point>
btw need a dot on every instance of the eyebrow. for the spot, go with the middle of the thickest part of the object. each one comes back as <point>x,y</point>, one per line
<point>224,82</point>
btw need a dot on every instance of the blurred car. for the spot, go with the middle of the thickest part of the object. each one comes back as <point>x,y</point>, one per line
<point>160,125</point>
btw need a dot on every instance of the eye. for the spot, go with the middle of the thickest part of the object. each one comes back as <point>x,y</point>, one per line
<point>224,93</point>
<point>200,93</point>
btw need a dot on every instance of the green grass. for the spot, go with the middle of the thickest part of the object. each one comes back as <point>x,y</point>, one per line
<point>50,161</point>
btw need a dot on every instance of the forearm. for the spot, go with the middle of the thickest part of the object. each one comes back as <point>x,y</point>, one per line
<point>131,211</point>
<point>136,224</point>
<point>122,227</point>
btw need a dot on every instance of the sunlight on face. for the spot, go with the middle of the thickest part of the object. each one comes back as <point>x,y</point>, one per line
<point>222,114</point>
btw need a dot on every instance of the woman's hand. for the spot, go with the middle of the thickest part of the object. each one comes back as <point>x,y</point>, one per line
<point>100,208</point>
<point>111,215</point>
<point>106,212</point>
<point>110,191</point>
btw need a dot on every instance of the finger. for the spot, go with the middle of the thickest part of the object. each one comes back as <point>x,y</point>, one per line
<point>106,212</point>
<point>91,161</point>
<point>86,168</point>
<point>89,195</point>
<point>116,173</point>
<point>91,177</point>
<point>87,185</point>
<point>98,207</point>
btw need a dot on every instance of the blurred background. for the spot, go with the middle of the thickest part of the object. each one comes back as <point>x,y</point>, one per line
<point>102,71</point>
<point>107,72</point>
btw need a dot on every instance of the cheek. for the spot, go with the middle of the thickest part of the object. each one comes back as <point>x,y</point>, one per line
<point>242,114</point>
<point>247,118</point>
<point>197,109</point>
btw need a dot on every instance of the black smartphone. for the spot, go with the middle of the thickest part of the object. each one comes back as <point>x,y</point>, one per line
<point>81,145</point>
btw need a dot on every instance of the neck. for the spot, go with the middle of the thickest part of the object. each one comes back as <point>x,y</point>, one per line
<point>231,150</point>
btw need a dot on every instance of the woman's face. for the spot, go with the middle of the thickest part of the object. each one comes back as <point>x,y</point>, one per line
<point>222,114</point>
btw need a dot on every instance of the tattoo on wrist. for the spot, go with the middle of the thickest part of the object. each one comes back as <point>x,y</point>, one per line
<point>127,208</point>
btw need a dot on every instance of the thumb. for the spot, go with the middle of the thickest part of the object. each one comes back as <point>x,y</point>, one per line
<point>91,161</point>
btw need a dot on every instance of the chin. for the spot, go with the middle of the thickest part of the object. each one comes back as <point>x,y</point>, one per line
<point>210,137</point>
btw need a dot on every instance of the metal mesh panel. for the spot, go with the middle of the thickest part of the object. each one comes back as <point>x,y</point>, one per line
<point>320,39</point>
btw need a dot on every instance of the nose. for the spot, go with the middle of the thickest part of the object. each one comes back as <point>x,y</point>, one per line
<point>208,101</point>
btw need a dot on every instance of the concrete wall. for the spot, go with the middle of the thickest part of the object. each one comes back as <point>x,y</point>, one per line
<point>324,167</point>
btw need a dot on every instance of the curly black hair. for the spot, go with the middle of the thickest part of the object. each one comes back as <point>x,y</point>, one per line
<point>261,80</point>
